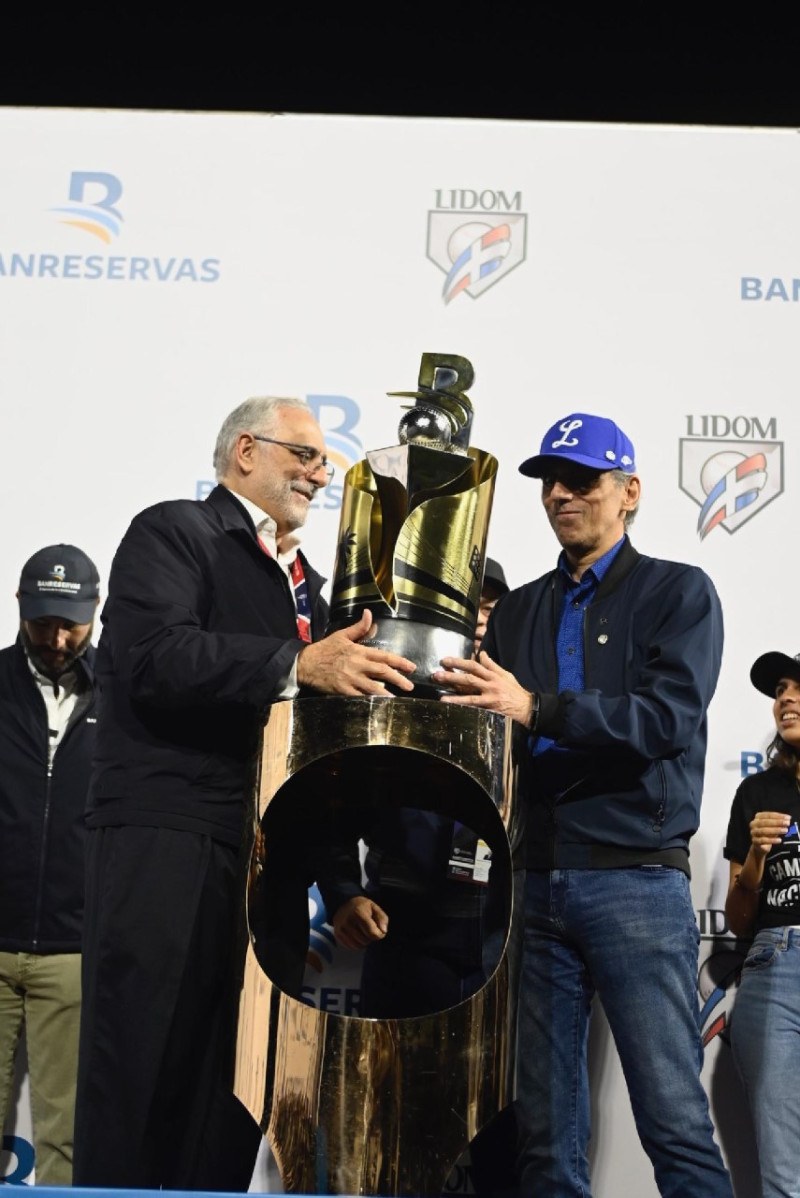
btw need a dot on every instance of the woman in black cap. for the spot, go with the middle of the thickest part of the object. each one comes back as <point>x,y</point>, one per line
<point>763,903</point>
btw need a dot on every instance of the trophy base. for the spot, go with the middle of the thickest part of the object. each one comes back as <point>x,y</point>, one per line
<point>380,1106</point>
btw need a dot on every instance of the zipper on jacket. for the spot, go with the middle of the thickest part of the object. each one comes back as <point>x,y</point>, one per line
<point>661,810</point>
<point>42,853</point>
<point>72,724</point>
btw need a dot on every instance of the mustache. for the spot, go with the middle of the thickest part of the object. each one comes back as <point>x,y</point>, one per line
<point>308,487</point>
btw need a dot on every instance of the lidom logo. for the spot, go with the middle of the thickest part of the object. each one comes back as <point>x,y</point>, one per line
<point>718,976</point>
<point>476,239</point>
<point>93,208</point>
<point>729,473</point>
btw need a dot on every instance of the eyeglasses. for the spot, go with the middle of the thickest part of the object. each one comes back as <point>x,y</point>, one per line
<point>578,481</point>
<point>309,458</point>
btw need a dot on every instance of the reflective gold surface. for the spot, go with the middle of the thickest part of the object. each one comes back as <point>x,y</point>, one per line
<point>415,518</point>
<point>366,1106</point>
<point>414,551</point>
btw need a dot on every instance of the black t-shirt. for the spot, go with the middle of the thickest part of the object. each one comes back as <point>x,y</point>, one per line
<point>772,790</point>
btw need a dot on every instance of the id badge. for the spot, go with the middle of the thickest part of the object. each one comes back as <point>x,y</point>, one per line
<point>470,857</point>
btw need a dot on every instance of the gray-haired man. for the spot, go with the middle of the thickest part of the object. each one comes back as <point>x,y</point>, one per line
<point>212,615</point>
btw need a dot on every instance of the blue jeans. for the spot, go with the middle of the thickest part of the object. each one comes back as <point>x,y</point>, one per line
<point>630,936</point>
<point>765,1038</point>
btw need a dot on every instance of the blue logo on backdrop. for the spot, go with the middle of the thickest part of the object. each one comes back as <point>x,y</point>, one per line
<point>99,217</point>
<point>93,208</point>
<point>338,999</point>
<point>752,762</point>
<point>322,942</point>
<point>16,1160</point>
<point>784,290</point>
<point>337,416</point>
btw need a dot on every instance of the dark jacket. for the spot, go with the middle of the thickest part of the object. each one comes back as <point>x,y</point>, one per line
<point>41,814</point>
<point>199,632</point>
<point>652,645</point>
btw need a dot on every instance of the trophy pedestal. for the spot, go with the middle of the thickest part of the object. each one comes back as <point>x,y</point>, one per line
<point>376,1106</point>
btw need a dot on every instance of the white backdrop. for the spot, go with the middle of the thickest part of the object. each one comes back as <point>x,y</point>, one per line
<point>158,268</point>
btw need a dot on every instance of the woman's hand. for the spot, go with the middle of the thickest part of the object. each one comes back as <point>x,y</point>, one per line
<point>768,828</point>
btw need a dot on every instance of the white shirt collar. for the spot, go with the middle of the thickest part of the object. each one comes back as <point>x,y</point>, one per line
<point>67,682</point>
<point>266,531</point>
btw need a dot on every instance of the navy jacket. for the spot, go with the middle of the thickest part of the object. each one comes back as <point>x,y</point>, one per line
<point>634,781</point>
<point>198,631</point>
<point>41,814</point>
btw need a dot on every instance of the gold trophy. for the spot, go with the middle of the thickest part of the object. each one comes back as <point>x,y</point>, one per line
<point>378,1106</point>
<point>413,527</point>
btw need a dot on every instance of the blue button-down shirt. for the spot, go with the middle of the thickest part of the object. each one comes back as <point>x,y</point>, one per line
<point>569,641</point>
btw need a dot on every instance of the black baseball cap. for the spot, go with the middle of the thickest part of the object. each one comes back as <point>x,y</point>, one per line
<point>768,669</point>
<point>59,581</point>
<point>494,576</point>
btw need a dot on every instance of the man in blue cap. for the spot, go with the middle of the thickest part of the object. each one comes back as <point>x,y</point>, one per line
<point>610,662</point>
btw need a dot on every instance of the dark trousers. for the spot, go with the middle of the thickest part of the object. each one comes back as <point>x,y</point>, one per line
<point>154,1105</point>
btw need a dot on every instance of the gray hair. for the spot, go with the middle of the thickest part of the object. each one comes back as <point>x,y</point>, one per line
<point>621,477</point>
<point>259,414</point>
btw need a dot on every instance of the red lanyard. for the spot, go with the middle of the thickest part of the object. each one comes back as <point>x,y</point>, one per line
<point>301,600</point>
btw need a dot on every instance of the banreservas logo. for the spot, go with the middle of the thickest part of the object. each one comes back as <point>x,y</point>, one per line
<point>112,268</point>
<point>93,209</point>
<point>338,417</point>
<point>325,986</point>
<point>784,290</point>
<point>99,217</point>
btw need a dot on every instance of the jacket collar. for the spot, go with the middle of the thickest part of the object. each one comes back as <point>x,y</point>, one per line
<point>233,516</point>
<point>235,519</point>
<point>620,568</point>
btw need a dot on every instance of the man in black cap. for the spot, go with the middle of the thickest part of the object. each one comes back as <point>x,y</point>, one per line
<point>494,586</point>
<point>47,724</point>
<point>610,662</point>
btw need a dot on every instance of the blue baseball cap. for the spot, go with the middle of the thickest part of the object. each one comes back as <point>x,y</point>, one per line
<point>588,440</point>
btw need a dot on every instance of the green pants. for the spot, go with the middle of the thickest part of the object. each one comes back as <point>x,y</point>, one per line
<point>42,994</point>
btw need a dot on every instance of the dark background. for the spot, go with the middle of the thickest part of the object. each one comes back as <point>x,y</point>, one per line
<point>502,61</point>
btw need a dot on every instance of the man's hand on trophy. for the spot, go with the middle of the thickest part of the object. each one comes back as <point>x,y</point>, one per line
<point>339,665</point>
<point>359,921</point>
<point>483,683</point>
